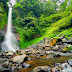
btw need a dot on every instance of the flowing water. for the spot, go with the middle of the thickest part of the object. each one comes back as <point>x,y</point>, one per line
<point>10,43</point>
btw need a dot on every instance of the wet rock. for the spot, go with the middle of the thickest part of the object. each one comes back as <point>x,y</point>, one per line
<point>65,44</point>
<point>65,65</point>
<point>47,45</point>
<point>9,53</point>
<point>47,48</point>
<point>1,67</point>
<point>55,48</point>
<point>6,70</point>
<point>42,55</point>
<point>1,39</point>
<point>69,41</point>
<point>16,65</point>
<point>4,60</point>
<point>56,69</point>
<point>46,40</point>
<point>10,64</point>
<point>41,69</point>
<point>57,64</point>
<point>49,56</point>
<point>6,64</point>
<point>64,40</point>
<point>25,65</point>
<point>70,62</point>
<point>30,58</point>
<point>19,68</point>
<point>28,53</point>
<point>38,52</point>
<point>57,55</point>
<point>48,52</point>
<point>19,58</point>
<point>59,41</point>
<point>23,52</point>
<point>3,54</point>
<point>17,52</point>
<point>13,68</point>
<point>1,59</point>
<point>67,70</point>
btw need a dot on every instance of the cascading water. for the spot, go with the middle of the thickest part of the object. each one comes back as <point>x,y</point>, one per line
<point>10,43</point>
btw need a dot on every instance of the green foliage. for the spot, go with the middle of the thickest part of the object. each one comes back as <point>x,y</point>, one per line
<point>68,48</point>
<point>34,20</point>
<point>3,13</point>
<point>3,20</point>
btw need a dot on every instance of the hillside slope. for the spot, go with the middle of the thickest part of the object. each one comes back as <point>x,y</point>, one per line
<point>61,26</point>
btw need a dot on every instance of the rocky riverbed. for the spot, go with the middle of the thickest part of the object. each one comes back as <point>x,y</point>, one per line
<point>49,55</point>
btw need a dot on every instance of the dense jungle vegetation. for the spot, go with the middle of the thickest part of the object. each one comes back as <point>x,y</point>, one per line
<point>34,19</point>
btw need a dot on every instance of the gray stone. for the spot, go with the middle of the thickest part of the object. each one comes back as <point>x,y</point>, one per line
<point>56,69</point>
<point>6,70</point>
<point>57,55</point>
<point>1,67</point>
<point>55,48</point>
<point>49,56</point>
<point>25,65</point>
<point>19,58</point>
<point>6,64</point>
<point>65,65</point>
<point>64,40</point>
<point>41,69</point>
<point>70,40</point>
<point>49,52</point>
<point>67,70</point>
<point>9,53</point>
<point>70,62</point>
<point>30,58</point>
<point>13,68</point>
<point>19,68</point>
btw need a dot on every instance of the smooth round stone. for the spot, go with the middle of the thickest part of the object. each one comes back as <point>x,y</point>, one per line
<point>70,62</point>
<point>25,65</point>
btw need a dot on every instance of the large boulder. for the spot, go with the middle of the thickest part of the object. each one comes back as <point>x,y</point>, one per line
<point>52,41</point>
<point>70,62</point>
<point>65,65</point>
<point>19,59</point>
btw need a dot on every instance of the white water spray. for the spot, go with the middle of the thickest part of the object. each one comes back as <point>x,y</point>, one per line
<point>10,43</point>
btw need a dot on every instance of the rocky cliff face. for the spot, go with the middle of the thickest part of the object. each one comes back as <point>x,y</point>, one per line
<point>2,34</point>
<point>1,40</point>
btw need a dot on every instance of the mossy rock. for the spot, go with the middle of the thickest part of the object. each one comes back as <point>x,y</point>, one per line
<point>52,41</point>
<point>67,49</point>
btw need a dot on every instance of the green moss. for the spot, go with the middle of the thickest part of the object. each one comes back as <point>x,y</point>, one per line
<point>68,48</point>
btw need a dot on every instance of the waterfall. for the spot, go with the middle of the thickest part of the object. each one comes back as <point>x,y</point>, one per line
<point>10,42</point>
